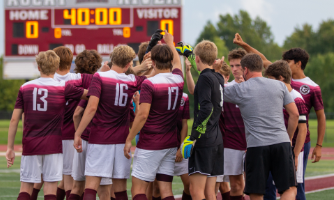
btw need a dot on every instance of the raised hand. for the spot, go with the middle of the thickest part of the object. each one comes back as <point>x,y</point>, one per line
<point>156,37</point>
<point>238,40</point>
<point>168,38</point>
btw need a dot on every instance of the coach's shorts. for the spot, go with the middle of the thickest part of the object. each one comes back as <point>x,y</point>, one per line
<point>107,160</point>
<point>278,159</point>
<point>79,161</point>
<point>68,155</point>
<point>207,160</point>
<point>300,172</point>
<point>181,168</point>
<point>222,178</point>
<point>50,165</point>
<point>233,161</point>
<point>148,163</point>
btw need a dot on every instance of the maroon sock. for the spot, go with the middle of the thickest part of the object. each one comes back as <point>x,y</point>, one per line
<point>186,196</point>
<point>112,198</point>
<point>50,197</point>
<point>74,197</point>
<point>226,195</point>
<point>68,192</point>
<point>140,197</point>
<point>90,194</point>
<point>121,195</point>
<point>60,194</point>
<point>156,198</point>
<point>23,196</point>
<point>34,194</point>
<point>169,198</point>
<point>241,197</point>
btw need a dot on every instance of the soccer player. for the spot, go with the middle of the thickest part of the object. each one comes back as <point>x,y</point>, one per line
<point>43,103</point>
<point>63,74</point>
<point>222,181</point>
<point>311,93</point>
<point>109,101</point>
<point>206,161</point>
<point>280,70</point>
<point>160,99</point>
<point>268,144</point>
<point>87,62</point>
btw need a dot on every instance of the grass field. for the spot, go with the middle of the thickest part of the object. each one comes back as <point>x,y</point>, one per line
<point>328,141</point>
<point>10,180</point>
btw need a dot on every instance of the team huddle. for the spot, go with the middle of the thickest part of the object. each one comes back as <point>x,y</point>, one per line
<point>249,136</point>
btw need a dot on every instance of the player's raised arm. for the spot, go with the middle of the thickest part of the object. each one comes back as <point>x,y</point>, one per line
<point>238,40</point>
<point>169,39</point>
<point>189,78</point>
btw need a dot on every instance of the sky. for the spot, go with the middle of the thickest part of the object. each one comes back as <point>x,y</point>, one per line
<point>282,16</point>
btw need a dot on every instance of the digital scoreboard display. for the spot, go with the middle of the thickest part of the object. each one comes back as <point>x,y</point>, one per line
<point>32,26</point>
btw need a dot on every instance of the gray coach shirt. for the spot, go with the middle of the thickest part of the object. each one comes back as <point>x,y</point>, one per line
<point>261,102</point>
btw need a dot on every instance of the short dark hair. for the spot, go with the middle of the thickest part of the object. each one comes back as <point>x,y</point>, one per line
<point>296,54</point>
<point>66,56</point>
<point>163,56</point>
<point>279,68</point>
<point>142,51</point>
<point>88,61</point>
<point>238,53</point>
<point>253,62</point>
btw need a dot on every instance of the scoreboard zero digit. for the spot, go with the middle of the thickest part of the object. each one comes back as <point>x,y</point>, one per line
<point>32,26</point>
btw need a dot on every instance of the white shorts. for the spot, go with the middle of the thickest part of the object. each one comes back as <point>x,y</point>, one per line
<point>107,160</point>
<point>68,154</point>
<point>222,178</point>
<point>234,161</point>
<point>148,163</point>
<point>181,168</point>
<point>79,161</point>
<point>299,172</point>
<point>50,165</point>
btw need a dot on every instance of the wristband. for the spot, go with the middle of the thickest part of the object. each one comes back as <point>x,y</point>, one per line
<point>319,145</point>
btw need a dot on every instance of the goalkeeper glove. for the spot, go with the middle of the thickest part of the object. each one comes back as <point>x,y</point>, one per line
<point>187,147</point>
<point>184,49</point>
<point>156,37</point>
<point>192,61</point>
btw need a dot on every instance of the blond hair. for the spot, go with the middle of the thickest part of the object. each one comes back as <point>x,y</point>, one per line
<point>122,55</point>
<point>206,51</point>
<point>48,62</point>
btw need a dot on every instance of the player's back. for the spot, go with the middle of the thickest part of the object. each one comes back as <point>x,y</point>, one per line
<point>164,93</point>
<point>43,103</point>
<point>110,124</point>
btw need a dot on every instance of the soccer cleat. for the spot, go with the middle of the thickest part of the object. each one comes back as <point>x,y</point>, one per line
<point>187,147</point>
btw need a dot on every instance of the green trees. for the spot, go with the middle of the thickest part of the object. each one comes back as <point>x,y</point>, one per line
<point>256,32</point>
<point>8,91</point>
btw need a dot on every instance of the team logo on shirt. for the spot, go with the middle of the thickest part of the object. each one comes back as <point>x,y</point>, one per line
<point>182,102</point>
<point>304,89</point>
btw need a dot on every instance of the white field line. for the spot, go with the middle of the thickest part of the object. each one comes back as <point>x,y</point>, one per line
<point>320,176</point>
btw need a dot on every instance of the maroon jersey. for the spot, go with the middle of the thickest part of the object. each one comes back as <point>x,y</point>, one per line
<point>234,134</point>
<point>82,80</point>
<point>43,102</point>
<point>164,93</point>
<point>184,113</point>
<point>85,134</point>
<point>300,103</point>
<point>110,124</point>
<point>311,94</point>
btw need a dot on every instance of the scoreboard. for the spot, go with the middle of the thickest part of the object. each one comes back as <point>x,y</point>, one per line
<point>32,26</point>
